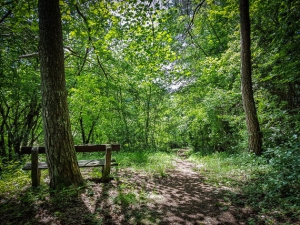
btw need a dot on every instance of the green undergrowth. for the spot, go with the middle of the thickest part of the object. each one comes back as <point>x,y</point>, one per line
<point>269,184</point>
<point>18,200</point>
<point>151,162</point>
<point>155,163</point>
<point>13,179</point>
<point>227,169</point>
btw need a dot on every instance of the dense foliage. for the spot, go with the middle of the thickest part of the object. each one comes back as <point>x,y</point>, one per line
<point>154,75</point>
<point>158,75</point>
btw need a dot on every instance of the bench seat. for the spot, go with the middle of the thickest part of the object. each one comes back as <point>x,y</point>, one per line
<point>81,163</point>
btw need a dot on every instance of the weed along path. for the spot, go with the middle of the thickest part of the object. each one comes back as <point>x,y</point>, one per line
<point>178,197</point>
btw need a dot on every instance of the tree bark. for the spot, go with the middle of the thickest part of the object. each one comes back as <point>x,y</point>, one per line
<point>254,134</point>
<point>147,119</point>
<point>60,151</point>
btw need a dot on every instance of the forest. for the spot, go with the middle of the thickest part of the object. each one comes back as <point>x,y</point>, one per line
<point>169,80</point>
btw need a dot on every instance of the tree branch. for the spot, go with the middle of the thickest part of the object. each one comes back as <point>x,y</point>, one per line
<point>32,55</point>
<point>194,14</point>
<point>150,3</point>
<point>217,36</point>
<point>90,40</point>
<point>6,3</point>
<point>36,54</point>
<point>6,15</point>
<point>189,32</point>
<point>71,50</point>
<point>103,70</point>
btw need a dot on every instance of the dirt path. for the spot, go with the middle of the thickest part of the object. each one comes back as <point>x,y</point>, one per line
<point>185,199</point>
<point>181,197</point>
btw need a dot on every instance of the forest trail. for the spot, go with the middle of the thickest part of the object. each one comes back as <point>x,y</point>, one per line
<point>180,197</point>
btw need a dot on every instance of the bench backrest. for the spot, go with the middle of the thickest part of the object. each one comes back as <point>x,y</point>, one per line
<point>78,148</point>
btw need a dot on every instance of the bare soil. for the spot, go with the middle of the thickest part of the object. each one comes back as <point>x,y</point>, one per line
<point>180,197</point>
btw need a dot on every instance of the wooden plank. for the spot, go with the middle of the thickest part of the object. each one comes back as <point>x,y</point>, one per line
<point>27,149</point>
<point>81,163</point>
<point>78,148</point>
<point>41,166</point>
<point>90,148</point>
<point>115,147</point>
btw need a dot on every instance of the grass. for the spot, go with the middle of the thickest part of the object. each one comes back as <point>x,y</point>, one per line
<point>13,178</point>
<point>152,162</point>
<point>19,200</point>
<point>252,178</point>
<point>222,168</point>
<point>257,182</point>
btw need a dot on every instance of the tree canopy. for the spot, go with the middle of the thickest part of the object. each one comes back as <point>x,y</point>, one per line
<point>154,74</point>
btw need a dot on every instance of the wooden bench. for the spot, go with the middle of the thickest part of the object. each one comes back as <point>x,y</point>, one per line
<point>35,166</point>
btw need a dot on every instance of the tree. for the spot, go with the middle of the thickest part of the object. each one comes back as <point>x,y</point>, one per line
<point>60,152</point>
<point>20,108</point>
<point>254,134</point>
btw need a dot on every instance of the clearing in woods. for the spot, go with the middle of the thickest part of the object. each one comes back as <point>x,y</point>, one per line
<point>178,197</point>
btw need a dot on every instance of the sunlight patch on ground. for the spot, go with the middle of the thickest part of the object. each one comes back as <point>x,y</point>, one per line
<point>156,197</point>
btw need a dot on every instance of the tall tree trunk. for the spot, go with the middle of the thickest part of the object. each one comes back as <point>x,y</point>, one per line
<point>254,134</point>
<point>4,114</point>
<point>60,151</point>
<point>82,128</point>
<point>147,119</point>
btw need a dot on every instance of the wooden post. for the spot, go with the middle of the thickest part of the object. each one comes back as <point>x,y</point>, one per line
<point>35,172</point>
<point>106,169</point>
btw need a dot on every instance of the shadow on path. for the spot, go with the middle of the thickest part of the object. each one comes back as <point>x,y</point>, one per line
<point>179,198</point>
<point>132,197</point>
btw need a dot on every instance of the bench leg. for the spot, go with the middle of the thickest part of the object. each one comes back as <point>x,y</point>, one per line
<point>35,177</point>
<point>106,168</point>
<point>35,172</point>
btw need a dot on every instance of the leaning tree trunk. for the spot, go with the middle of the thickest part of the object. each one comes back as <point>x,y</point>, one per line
<point>254,134</point>
<point>60,151</point>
